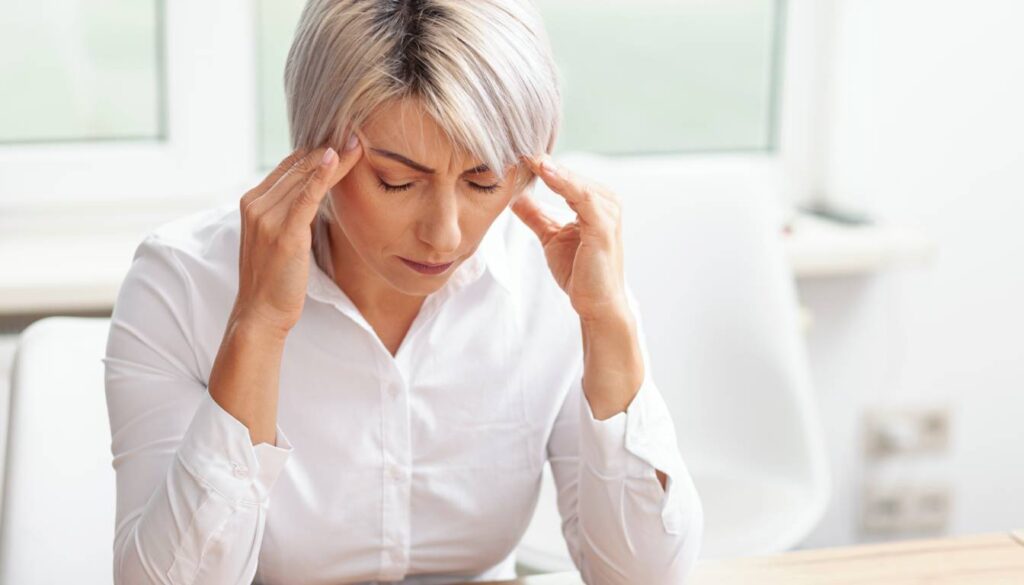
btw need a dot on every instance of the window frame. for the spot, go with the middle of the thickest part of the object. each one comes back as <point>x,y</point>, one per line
<point>215,44</point>
<point>205,44</point>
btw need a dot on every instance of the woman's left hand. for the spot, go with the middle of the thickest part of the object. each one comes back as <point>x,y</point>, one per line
<point>585,256</point>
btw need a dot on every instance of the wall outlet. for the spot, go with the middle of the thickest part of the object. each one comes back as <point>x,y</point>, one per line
<point>896,431</point>
<point>903,508</point>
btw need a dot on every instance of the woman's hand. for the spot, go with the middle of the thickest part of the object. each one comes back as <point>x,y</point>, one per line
<point>273,268</point>
<point>585,256</point>
<point>277,217</point>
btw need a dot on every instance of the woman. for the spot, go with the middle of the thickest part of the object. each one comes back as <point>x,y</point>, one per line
<point>298,393</point>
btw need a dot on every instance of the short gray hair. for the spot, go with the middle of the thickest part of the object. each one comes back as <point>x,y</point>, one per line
<point>483,69</point>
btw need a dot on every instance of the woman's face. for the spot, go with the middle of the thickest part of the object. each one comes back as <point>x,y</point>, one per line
<point>412,196</point>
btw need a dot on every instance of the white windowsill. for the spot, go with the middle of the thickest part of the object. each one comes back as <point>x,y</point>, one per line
<point>44,273</point>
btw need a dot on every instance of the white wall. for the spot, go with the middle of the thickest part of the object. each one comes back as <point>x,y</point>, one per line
<point>927,128</point>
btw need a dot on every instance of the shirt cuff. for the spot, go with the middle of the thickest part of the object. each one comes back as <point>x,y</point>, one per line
<point>635,443</point>
<point>218,450</point>
<point>630,443</point>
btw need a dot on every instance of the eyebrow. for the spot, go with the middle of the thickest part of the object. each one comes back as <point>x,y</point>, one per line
<point>421,168</point>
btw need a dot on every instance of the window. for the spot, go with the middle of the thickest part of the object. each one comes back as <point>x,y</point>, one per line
<point>275,25</point>
<point>647,76</point>
<point>136,103</point>
<point>81,70</point>
<point>689,75</point>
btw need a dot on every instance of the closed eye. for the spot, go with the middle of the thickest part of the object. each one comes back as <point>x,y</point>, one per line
<point>395,188</point>
<point>392,188</point>
<point>484,188</point>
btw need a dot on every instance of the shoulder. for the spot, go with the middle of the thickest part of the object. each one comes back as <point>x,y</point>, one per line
<point>196,251</point>
<point>209,236</point>
<point>183,280</point>
<point>189,263</point>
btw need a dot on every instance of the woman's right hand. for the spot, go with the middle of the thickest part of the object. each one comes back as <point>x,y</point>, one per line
<point>276,223</point>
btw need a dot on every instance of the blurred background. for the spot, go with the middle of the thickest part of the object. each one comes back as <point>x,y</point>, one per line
<point>884,133</point>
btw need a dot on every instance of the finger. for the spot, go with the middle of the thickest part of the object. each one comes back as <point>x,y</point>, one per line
<point>543,225</point>
<point>299,172</point>
<point>580,195</point>
<point>294,176</point>
<point>272,177</point>
<point>283,167</point>
<point>306,201</point>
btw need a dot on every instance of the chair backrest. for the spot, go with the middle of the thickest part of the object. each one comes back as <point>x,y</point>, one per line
<point>59,497</point>
<point>718,300</point>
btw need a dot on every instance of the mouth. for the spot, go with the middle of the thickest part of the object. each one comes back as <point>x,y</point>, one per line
<point>426,268</point>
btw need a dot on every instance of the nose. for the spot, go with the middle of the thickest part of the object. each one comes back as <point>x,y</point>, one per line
<point>439,223</point>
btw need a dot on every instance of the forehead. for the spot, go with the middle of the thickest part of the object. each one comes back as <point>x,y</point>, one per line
<point>405,127</point>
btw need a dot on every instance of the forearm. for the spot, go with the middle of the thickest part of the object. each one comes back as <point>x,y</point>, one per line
<point>245,376</point>
<point>613,366</point>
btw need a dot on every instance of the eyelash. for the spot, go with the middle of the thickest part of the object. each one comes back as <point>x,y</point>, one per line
<point>394,188</point>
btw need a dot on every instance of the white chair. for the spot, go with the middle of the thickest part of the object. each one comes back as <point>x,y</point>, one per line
<point>59,499</point>
<point>719,307</point>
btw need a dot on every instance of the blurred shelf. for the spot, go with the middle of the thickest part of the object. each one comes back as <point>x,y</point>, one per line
<point>819,248</point>
<point>63,273</point>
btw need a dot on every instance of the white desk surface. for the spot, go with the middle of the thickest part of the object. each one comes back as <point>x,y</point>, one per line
<point>987,559</point>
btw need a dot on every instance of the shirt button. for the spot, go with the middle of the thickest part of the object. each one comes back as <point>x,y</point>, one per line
<point>397,473</point>
<point>239,470</point>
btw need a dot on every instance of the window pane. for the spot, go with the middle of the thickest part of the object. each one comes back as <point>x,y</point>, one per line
<point>275,23</point>
<point>639,75</point>
<point>664,75</point>
<point>80,70</point>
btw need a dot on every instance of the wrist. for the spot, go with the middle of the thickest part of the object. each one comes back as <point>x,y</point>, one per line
<point>255,331</point>
<point>251,324</point>
<point>613,363</point>
<point>616,321</point>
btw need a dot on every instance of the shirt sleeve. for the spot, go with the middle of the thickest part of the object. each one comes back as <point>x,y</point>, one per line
<point>192,489</point>
<point>620,525</point>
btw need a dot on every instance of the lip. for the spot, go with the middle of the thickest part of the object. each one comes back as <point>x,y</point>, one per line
<point>426,268</point>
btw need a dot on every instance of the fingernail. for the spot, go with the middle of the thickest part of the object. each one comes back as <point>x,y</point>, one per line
<point>352,141</point>
<point>328,157</point>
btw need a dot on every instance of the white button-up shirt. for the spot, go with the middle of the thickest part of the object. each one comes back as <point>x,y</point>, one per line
<point>423,467</point>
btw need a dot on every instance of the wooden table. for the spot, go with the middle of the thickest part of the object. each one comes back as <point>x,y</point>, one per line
<point>988,559</point>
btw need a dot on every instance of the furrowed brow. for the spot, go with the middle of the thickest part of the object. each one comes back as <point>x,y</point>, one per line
<point>423,168</point>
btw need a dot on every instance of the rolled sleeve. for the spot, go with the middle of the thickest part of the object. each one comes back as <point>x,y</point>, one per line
<point>218,451</point>
<point>634,444</point>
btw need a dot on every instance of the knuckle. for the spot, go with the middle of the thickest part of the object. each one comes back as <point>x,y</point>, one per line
<point>248,196</point>
<point>308,195</point>
<point>304,198</point>
<point>293,158</point>
<point>305,164</point>
<point>248,210</point>
<point>261,223</point>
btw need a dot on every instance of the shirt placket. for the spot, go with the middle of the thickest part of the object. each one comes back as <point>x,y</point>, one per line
<point>395,427</point>
<point>396,444</point>
<point>396,467</point>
